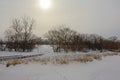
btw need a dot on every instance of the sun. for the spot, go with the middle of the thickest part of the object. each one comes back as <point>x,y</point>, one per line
<point>45,4</point>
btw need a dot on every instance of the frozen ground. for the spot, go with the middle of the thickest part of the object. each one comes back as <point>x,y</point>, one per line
<point>106,69</point>
<point>43,49</point>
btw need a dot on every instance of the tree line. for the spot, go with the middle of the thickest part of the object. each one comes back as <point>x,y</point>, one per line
<point>20,37</point>
<point>66,39</point>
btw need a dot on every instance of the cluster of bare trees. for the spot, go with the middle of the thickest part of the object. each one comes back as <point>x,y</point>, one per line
<point>65,39</point>
<point>111,43</point>
<point>19,37</point>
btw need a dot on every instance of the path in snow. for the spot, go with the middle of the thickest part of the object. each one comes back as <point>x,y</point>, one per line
<point>5,58</point>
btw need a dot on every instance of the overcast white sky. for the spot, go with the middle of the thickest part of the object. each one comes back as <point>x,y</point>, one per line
<point>86,16</point>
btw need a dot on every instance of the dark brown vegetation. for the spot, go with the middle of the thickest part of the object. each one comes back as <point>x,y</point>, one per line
<point>65,39</point>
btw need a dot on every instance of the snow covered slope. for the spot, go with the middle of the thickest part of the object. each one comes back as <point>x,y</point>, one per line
<point>106,69</point>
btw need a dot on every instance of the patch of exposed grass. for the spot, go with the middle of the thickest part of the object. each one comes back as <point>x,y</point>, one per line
<point>13,62</point>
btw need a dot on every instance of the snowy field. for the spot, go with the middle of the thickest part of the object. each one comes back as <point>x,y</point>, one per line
<point>105,69</point>
<point>44,49</point>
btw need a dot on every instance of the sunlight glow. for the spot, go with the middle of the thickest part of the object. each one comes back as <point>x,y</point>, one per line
<point>45,4</point>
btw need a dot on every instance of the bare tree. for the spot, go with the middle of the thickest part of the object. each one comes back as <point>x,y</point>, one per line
<point>27,34</point>
<point>20,33</point>
<point>61,38</point>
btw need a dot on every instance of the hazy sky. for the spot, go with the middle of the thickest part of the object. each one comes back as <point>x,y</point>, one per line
<point>86,16</point>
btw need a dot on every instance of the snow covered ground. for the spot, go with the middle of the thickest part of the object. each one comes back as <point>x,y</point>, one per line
<point>106,69</point>
<point>44,49</point>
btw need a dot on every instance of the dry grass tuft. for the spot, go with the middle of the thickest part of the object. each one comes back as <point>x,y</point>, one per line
<point>83,59</point>
<point>13,62</point>
<point>61,61</point>
<point>97,57</point>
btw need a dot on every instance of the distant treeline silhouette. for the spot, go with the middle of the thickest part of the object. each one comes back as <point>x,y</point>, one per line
<point>65,39</point>
<point>20,37</point>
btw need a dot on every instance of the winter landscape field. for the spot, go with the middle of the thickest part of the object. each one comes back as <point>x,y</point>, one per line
<point>59,39</point>
<point>106,68</point>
